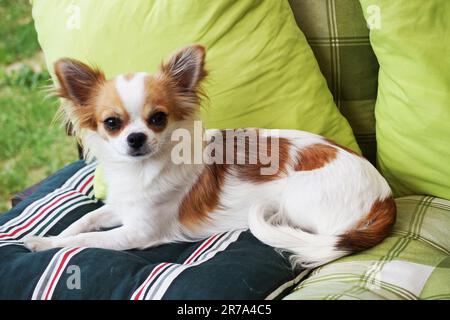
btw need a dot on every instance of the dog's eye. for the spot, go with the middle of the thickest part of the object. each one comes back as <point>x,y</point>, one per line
<point>158,119</point>
<point>112,123</point>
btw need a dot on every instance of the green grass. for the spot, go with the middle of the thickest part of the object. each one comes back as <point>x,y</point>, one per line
<point>17,33</point>
<point>31,147</point>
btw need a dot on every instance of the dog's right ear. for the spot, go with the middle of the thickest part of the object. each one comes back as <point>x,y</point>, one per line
<point>77,80</point>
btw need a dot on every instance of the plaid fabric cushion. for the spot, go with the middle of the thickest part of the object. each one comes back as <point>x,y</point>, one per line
<point>337,32</point>
<point>412,263</point>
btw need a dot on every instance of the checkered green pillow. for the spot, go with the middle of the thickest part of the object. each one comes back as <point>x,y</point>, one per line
<point>337,33</point>
<point>412,263</point>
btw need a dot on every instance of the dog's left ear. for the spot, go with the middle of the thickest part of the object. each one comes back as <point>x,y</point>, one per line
<point>77,80</point>
<point>186,67</point>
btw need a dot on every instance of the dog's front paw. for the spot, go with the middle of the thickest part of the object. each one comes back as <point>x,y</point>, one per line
<point>35,243</point>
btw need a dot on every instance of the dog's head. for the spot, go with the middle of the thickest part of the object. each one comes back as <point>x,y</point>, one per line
<point>133,114</point>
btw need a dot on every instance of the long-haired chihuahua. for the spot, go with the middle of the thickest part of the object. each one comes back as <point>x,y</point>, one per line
<point>294,190</point>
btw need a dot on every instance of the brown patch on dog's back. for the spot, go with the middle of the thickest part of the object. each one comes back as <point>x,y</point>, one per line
<point>253,172</point>
<point>247,147</point>
<point>315,157</point>
<point>203,197</point>
<point>371,230</point>
<point>342,147</point>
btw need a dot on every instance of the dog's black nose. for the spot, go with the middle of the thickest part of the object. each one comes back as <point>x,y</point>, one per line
<point>136,140</point>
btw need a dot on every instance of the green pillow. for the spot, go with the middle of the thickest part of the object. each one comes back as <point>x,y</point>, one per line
<point>411,41</point>
<point>262,71</point>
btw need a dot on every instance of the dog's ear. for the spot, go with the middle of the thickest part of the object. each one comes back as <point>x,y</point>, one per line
<point>77,80</point>
<point>186,67</point>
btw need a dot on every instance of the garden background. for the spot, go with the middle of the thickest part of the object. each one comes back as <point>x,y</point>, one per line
<point>32,145</point>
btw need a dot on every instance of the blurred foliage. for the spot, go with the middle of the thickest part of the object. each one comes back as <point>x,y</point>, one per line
<point>31,146</point>
<point>26,77</point>
<point>17,33</point>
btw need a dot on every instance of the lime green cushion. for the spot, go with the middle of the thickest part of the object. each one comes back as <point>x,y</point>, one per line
<point>100,187</point>
<point>262,71</point>
<point>411,41</point>
<point>412,263</point>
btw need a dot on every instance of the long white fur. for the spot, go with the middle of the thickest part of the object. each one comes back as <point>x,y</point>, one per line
<point>303,212</point>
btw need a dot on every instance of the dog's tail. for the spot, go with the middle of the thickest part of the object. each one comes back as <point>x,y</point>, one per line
<point>311,250</point>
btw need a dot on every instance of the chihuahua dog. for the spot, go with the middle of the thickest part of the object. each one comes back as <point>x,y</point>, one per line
<point>320,201</point>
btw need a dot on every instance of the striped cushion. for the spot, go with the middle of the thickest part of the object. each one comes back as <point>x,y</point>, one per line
<point>232,265</point>
<point>413,263</point>
<point>337,33</point>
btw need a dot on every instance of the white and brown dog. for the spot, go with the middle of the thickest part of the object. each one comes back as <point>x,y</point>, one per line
<point>321,202</point>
